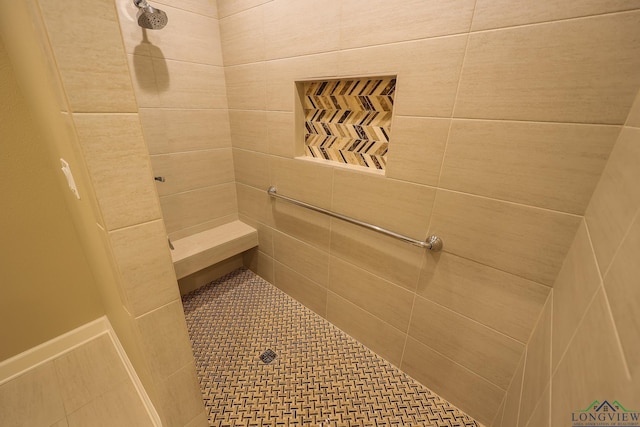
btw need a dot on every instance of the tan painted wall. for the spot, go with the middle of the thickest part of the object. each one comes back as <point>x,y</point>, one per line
<point>505,115</point>
<point>47,285</point>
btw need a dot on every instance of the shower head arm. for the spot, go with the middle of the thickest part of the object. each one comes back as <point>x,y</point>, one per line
<point>140,3</point>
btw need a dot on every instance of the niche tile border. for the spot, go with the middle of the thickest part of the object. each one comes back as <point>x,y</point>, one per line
<point>349,120</point>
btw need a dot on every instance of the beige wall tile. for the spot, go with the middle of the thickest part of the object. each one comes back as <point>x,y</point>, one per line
<point>61,423</point>
<point>164,339</point>
<point>87,45</point>
<point>168,131</point>
<point>188,85</point>
<point>383,299</point>
<point>119,407</point>
<point>621,285</point>
<point>261,264</point>
<point>513,397</point>
<point>302,258</point>
<point>201,420</point>
<point>537,371</point>
<point>541,413</point>
<point>255,204</point>
<point>37,388</point>
<point>497,420</point>
<point>482,350</point>
<point>573,289</point>
<point>193,207</point>
<point>312,295</point>
<point>416,149</point>
<point>458,385</point>
<point>203,226</point>
<point>188,36</point>
<point>551,165</point>
<point>251,168</point>
<point>502,301</point>
<point>265,234</point>
<point>633,119</point>
<point>427,71</point>
<point>283,73</point>
<point>506,13</point>
<point>384,256</point>
<point>203,7</point>
<point>409,20</point>
<point>89,371</point>
<point>395,205</point>
<point>143,78</point>
<point>547,72</point>
<point>191,170</point>
<point>229,7</point>
<point>302,180</point>
<point>249,130</point>
<point>246,86</point>
<point>572,389</point>
<point>616,198</point>
<point>148,280</point>
<point>303,224</point>
<point>521,240</point>
<point>180,396</point>
<point>281,135</point>
<point>242,37</point>
<point>287,33</point>
<point>377,335</point>
<point>118,163</point>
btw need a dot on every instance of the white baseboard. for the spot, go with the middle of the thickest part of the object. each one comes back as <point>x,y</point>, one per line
<point>56,347</point>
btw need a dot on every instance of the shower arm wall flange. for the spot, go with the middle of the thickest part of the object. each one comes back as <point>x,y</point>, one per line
<point>140,3</point>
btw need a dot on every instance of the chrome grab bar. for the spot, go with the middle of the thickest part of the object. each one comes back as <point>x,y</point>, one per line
<point>433,243</point>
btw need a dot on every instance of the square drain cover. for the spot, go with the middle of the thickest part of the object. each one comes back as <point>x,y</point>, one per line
<point>268,356</point>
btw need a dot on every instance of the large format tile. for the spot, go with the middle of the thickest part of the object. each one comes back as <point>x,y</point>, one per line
<point>573,289</point>
<point>301,28</point>
<point>283,73</point>
<point>172,130</point>
<point>521,240</point>
<point>302,258</point>
<point>502,301</point>
<point>189,85</point>
<point>484,351</point>
<point>408,20</point>
<point>385,300</point>
<point>309,293</point>
<point>118,163</point>
<point>242,37</point>
<point>384,256</point>
<point>541,416</point>
<point>616,198</point>
<point>377,335</point>
<point>190,170</point>
<point>395,205</point>
<point>183,210</point>
<point>203,7</point>
<point>251,168</point>
<point>505,13</point>
<point>549,72</point>
<point>32,399</point>
<point>621,285</point>
<point>119,407</point>
<point>89,371</point>
<point>246,86</point>
<point>164,339</point>
<point>180,396</point>
<point>281,136</point>
<point>537,371</point>
<point>249,129</point>
<point>427,72</point>
<point>461,387</point>
<point>513,398</point>
<point>255,204</point>
<point>416,149</point>
<point>146,270</point>
<point>301,223</point>
<point>229,7</point>
<point>551,165</point>
<point>587,370</point>
<point>303,180</point>
<point>88,49</point>
<point>633,119</point>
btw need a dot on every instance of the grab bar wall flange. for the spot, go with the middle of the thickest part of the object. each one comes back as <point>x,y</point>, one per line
<point>433,243</point>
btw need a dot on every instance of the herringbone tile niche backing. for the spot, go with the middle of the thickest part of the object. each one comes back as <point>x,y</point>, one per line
<point>349,120</point>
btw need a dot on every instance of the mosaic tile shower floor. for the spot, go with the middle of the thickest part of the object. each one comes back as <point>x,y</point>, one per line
<point>320,376</point>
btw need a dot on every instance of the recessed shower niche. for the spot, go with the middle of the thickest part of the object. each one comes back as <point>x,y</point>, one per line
<point>347,120</point>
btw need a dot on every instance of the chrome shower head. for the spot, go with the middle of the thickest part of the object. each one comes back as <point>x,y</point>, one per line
<point>150,17</point>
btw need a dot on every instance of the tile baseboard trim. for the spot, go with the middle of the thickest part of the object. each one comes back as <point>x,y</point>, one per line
<point>32,358</point>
